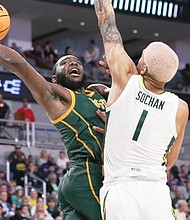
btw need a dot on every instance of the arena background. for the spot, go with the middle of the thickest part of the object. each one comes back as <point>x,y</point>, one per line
<point>35,21</point>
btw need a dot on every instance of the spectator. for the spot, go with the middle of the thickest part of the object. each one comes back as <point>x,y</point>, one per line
<point>62,161</point>
<point>33,197</point>
<point>69,165</point>
<point>4,187</point>
<point>178,196</point>
<point>2,213</point>
<point>16,198</point>
<point>17,154</point>
<point>92,53</point>
<point>7,208</point>
<point>25,200</point>
<point>49,167</point>
<point>182,209</point>
<point>99,74</point>
<point>40,211</point>
<point>52,183</point>
<point>4,114</point>
<point>38,51</point>
<point>33,170</point>
<point>186,74</point>
<point>187,194</point>
<point>2,177</point>
<point>179,86</point>
<point>69,51</point>
<point>43,157</point>
<point>24,114</point>
<point>49,51</point>
<point>40,201</point>
<point>52,207</point>
<point>12,188</point>
<point>17,48</point>
<point>183,172</point>
<point>17,161</point>
<point>30,159</point>
<point>25,213</point>
<point>16,215</point>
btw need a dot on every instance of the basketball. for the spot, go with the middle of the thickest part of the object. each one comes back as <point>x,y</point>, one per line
<point>4,22</point>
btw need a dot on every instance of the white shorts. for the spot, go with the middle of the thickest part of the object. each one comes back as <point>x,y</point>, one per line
<point>136,200</point>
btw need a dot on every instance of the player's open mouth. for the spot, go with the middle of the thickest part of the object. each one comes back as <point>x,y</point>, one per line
<point>74,72</point>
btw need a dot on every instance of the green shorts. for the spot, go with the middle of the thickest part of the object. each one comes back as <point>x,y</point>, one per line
<point>78,192</point>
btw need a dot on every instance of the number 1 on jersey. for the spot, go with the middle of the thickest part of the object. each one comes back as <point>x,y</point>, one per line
<point>139,125</point>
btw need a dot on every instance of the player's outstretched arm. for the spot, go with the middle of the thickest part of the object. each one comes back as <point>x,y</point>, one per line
<point>120,64</point>
<point>16,64</point>
<point>42,91</point>
<point>181,122</point>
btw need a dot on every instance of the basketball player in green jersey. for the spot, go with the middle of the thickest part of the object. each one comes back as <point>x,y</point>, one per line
<point>72,109</point>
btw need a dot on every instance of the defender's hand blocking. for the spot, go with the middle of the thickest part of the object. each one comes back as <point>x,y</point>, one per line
<point>104,64</point>
<point>102,115</point>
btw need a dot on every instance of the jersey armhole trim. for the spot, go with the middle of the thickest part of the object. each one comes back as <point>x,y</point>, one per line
<point>73,98</point>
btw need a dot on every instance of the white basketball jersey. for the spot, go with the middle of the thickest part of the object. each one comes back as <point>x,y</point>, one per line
<point>141,128</point>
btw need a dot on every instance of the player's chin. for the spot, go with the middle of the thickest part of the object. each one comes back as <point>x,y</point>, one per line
<point>75,78</point>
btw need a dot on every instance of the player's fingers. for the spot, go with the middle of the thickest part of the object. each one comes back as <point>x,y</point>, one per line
<point>98,129</point>
<point>102,115</point>
<point>104,57</point>
<point>104,64</point>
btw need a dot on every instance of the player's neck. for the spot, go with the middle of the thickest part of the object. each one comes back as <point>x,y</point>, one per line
<point>154,87</point>
<point>81,90</point>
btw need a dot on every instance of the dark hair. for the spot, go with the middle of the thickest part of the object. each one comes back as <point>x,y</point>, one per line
<point>67,48</point>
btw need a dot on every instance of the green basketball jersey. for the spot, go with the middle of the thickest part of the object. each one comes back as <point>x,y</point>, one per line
<point>75,126</point>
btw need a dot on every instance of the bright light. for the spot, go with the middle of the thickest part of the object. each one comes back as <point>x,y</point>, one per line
<point>175,11</point>
<point>121,4</point>
<point>115,4</point>
<point>156,34</point>
<point>137,6</point>
<point>148,7</point>
<point>59,20</point>
<point>154,7</point>
<point>126,5</point>
<point>143,6</point>
<point>82,23</point>
<point>164,12</point>
<point>159,12</point>
<point>170,10</point>
<point>132,5</point>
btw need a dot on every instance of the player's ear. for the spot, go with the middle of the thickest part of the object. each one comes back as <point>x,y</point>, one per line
<point>54,79</point>
<point>144,70</point>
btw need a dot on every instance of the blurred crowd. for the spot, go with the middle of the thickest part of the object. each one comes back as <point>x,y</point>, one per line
<point>45,56</point>
<point>14,203</point>
<point>179,183</point>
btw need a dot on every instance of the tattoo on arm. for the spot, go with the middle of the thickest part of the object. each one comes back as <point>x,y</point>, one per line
<point>110,32</point>
<point>100,4</point>
<point>108,28</point>
<point>53,94</point>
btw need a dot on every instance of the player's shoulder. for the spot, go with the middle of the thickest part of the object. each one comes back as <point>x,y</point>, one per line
<point>101,89</point>
<point>183,108</point>
<point>183,104</point>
